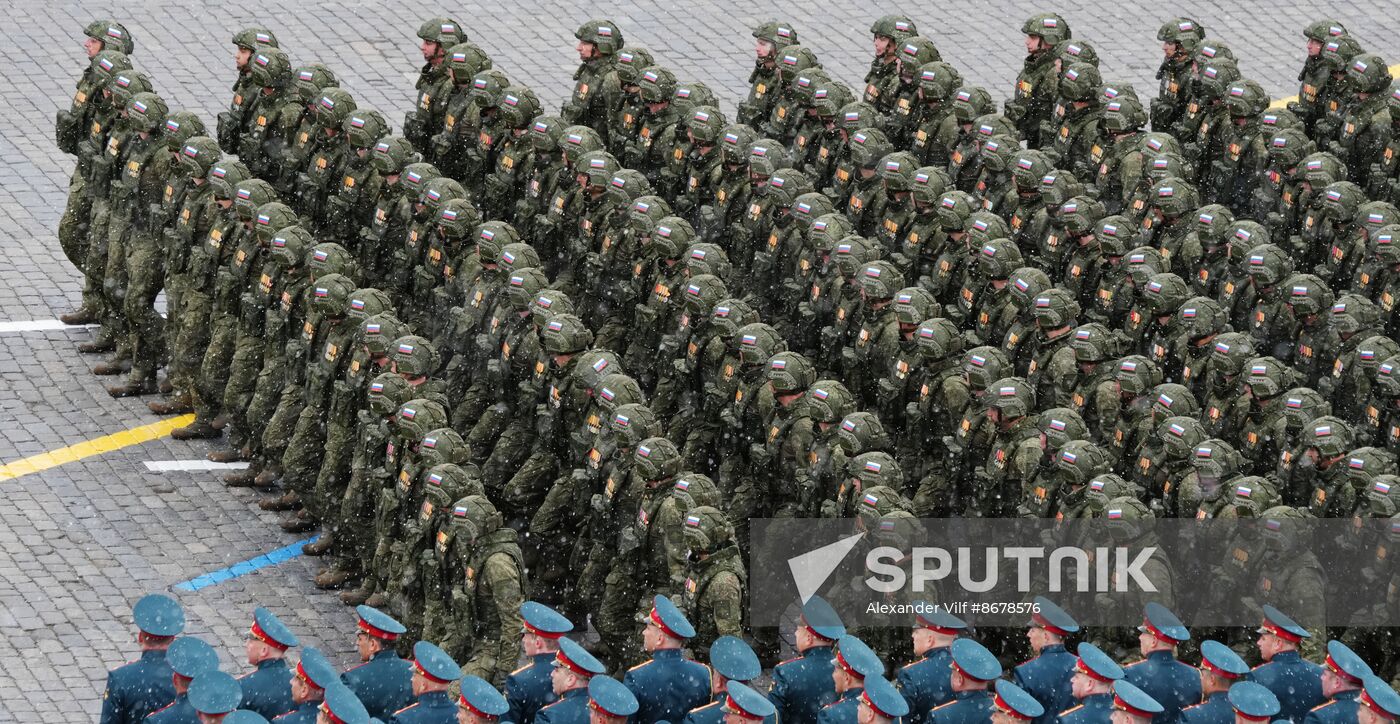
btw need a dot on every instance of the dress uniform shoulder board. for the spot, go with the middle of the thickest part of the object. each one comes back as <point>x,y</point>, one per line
<point>521,669</point>
<point>788,661</point>
<point>639,666</point>
<point>1323,705</point>
<point>410,706</point>
<point>1135,663</point>
<point>944,705</point>
<point>1072,709</point>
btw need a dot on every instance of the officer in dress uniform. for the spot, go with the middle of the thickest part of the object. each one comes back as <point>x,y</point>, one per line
<point>136,689</point>
<point>1047,676</point>
<point>572,670</point>
<point>310,679</point>
<point>1173,684</point>
<point>384,682</point>
<point>479,702</point>
<point>213,695</point>
<point>1296,681</point>
<point>268,691</point>
<point>243,716</point>
<point>926,683</point>
<point>433,672</point>
<point>1343,674</point>
<point>745,705</point>
<point>1220,668</point>
<point>803,685</point>
<point>974,669</point>
<point>1095,673</point>
<point>730,660</point>
<point>880,702</point>
<point>341,706</point>
<point>529,688</point>
<point>609,702</point>
<point>188,657</point>
<point>1253,702</point>
<point>855,661</point>
<point>1014,705</point>
<point>1380,704</point>
<point>669,685</point>
<point>1132,705</point>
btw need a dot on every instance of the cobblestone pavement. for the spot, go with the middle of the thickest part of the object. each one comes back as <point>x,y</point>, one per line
<point>80,542</point>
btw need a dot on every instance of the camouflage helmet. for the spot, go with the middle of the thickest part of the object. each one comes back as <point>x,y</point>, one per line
<point>1012,396</point>
<point>1278,119</point>
<point>1183,31</point>
<point>443,31</point>
<point>630,63</point>
<point>729,315</point>
<point>897,170</point>
<point>378,332</point>
<point>856,115</point>
<point>860,432</point>
<point>447,482</point>
<point>523,285</point>
<point>794,59</point>
<point>1321,169</point>
<point>225,175</point>
<point>868,146</point>
<point>1163,166</point>
<point>198,157</point>
<point>458,218</point>
<point>912,305</point>
<point>804,86</point>
<point>829,401</point>
<point>1057,187</point>
<point>488,87</point>
<point>1332,436</point>
<point>578,140</point>
<point>875,469</point>
<point>707,529</point>
<point>1076,51</point>
<point>1230,352</point>
<point>473,518</point>
<point>656,458</point>
<point>254,38</point>
<point>146,112</point>
<point>441,445</point>
<point>492,237</point>
<point>998,258</point>
<point>1108,487</point>
<point>894,27</point>
<point>646,212</point>
<point>1353,313</point>
<point>1080,461</point>
<point>364,128</point>
<point>439,191</point>
<point>1080,81</point>
<point>880,280</point>
<point>1174,196</point>
<point>852,253</point>
<point>111,34</point>
<point>518,107</point>
<point>386,392</point>
<point>735,143</point>
<point>1249,497</point>
<point>672,236</point>
<point>309,80</point>
<point>657,84</point>
<point>1373,216</point>
<point>332,108</point>
<point>1049,26</point>
<point>705,124</point>
<point>984,365</point>
<point>548,303</point>
<point>777,32</point>
<point>466,60</point>
<point>1201,317</point>
<point>627,186</point>
<point>1341,200</point>
<point>250,195</point>
<point>1374,350</point>
<point>1302,405</point>
<point>415,176</point>
<point>830,97</point>
<point>1246,98</point>
<point>180,127</point>
<point>938,80</point>
<point>1080,215</point>
<point>1180,435</point>
<point>414,356</point>
<point>366,302</point>
<point>1060,425</point>
<point>694,489</point>
<point>272,217</point>
<point>1324,30</point>
<point>1112,234</point>
<point>691,94</point>
<point>617,389</point>
<point>1387,377</point>
<point>1093,343</point>
<point>599,166</point>
<point>954,208</point>
<point>999,152</point>
<point>1030,166</point>
<point>546,132</point>
<point>701,293</point>
<point>1382,500</point>
<point>1123,115</point>
<point>1212,224</point>
<point>1216,459</point>
<point>566,334</point>
<point>593,365</point>
<point>706,258</point>
<point>928,184</point>
<point>1170,399</point>
<point>107,64</point>
<point>1307,295</point>
<point>790,372</point>
<point>1055,308</point>
<point>1136,375</point>
<point>1267,377</point>
<point>914,51</point>
<point>1142,262</point>
<point>601,33</point>
<point>329,257</point>
<point>992,125</point>
<point>632,423</point>
<point>1268,265</point>
<point>1368,73</point>
<point>1215,77</point>
<point>289,245</point>
<point>786,184</point>
<point>270,68</point>
<point>809,207</point>
<point>1164,293</point>
<point>938,338</point>
<point>330,295</point>
<point>767,155</point>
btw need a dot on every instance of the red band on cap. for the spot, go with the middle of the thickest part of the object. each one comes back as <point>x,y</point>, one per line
<point>1366,701</point>
<point>1044,623</point>
<point>424,673</point>
<point>378,633</point>
<point>656,619</point>
<point>1088,671</point>
<point>571,666</point>
<point>301,674</point>
<point>1332,666</point>
<point>865,699</point>
<point>925,623</point>
<point>1212,668</point>
<point>1006,709</point>
<point>1280,632</point>
<point>543,634</point>
<point>1157,633</point>
<point>475,711</point>
<point>733,706</point>
<point>963,671</point>
<point>1247,717</point>
<point>1125,706</point>
<point>262,636</point>
<point>847,667</point>
<point>326,709</point>
<point>593,704</point>
<point>814,631</point>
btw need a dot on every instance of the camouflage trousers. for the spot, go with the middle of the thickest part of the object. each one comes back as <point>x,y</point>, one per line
<point>331,476</point>
<point>73,225</point>
<point>142,326</point>
<point>213,368</point>
<point>188,335</point>
<point>267,394</point>
<point>114,281</point>
<point>244,368</point>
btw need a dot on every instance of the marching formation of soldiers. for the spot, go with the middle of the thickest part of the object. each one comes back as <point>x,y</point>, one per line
<point>509,354</point>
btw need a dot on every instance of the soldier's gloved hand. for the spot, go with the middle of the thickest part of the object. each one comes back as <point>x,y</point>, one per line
<point>830,336</point>
<point>628,540</point>
<point>729,418</point>
<point>759,454</point>
<point>887,389</point>
<point>829,509</point>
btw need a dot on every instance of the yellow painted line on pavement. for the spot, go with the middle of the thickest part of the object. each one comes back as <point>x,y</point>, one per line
<point>89,448</point>
<point>1394,71</point>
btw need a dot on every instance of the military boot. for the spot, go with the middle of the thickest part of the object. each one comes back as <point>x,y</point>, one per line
<point>132,388</point>
<point>356,596</point>
<point>197,430</point>
<point>98,345</point>
<point>299,523</point>
<point>112,367</point>
<point>177,405</point>
<point>82,316</point>
<point>320,547</point>
<point>232,455</point>
<point>241,478</point>
<point>289,501</point>
<point>268,477</point>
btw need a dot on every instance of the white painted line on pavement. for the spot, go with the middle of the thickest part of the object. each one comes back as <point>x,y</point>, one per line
<point>39,325</point>
<point>171,466</point>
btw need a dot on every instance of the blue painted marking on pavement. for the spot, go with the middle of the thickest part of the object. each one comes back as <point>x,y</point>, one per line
<point>243,568</point>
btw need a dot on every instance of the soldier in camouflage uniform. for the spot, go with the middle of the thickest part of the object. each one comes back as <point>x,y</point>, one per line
<point>599,43</point>
<point>487,583</point>
<point>434,85</point>
<point>1033,98</point>
<point>1180,37</point>
<point>715,583</point>
<point>233,123</point>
